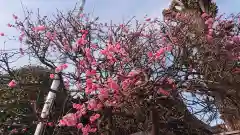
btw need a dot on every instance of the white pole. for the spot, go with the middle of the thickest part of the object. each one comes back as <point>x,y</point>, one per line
<point>82,4</point>
<point>54,87</point>
<point>48,104</point>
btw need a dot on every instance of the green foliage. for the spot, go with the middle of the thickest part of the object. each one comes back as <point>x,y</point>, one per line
<point>17,105</point>
<point>193,4</point>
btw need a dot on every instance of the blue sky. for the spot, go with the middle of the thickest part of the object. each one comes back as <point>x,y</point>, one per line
<point>106,9</point>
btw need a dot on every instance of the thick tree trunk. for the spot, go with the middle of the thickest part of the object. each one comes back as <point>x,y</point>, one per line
<point>154,117</point>
<point>111,127</point>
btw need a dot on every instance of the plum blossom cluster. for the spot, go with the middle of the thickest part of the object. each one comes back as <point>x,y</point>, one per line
<point>73,119</point>
<point>159,53</point>
<point>12,84</point>
<point>209,22</point>
<point>110,50</point>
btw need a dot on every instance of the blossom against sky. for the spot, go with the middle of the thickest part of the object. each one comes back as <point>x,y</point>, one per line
<point>116,10</point>
<point>107,10</point>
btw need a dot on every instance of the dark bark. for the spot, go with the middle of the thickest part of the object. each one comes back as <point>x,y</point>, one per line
<point>154,117</point>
